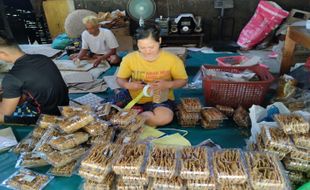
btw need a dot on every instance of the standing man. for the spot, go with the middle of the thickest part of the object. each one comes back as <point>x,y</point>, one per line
<point>97,43</point>
<point>33,86</point>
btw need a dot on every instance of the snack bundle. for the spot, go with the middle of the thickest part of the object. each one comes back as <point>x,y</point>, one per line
<point>228,111</point>
<point>106,184</point>
<point>189,112</point>
<point>211,118</point>
<point>293,124</point>
<point>241,117</point>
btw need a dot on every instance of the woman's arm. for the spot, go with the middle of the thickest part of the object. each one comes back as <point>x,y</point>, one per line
<point>124,83</point>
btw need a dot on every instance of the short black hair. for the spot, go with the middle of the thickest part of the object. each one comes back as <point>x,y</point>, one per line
<point>146,31</point>
<point>6,41</point>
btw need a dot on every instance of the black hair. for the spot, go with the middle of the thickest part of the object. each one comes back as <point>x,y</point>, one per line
<point>6,41</point>
<point>146,31</point>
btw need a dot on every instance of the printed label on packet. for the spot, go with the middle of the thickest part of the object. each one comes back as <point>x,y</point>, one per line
<point>28,178</point>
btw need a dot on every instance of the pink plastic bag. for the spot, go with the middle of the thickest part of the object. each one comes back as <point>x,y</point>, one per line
<point>267,17</point>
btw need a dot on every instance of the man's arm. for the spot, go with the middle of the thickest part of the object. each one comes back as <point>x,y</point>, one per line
<point>104,57</point>
<point>7,107</point>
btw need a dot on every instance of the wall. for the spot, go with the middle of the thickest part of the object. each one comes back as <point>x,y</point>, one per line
<point>241,14</point>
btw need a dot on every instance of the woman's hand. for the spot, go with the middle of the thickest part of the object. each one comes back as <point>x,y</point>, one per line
<point>136,85</point>
<point>161,85</point>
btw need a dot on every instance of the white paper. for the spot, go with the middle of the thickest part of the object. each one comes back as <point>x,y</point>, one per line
<point>111,82</point>
<point>78,77</point>
<point>7,139</point>
<point>69,65</point>
<point>43,49</point>
<point>89,99</point>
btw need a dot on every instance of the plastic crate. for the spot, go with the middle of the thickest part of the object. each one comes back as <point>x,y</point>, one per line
<point>229,93</point>
<point>234,61</point>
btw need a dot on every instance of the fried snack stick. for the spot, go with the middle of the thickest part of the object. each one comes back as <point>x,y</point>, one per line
<point>166,183</point>
<point>261,147</point>
<point>27,180</point>
<point>191,104</point>
<point>162,162</point>
<point>106,184</point>
<point>130,160</point>
<point>292,124</point>
<point>228,111</point>
<point>68,141</point>
<point>296,165</point>
<point>300,154</point>
<point>228,186</point>
<point>302,141</point>
<point>65,171</point>
<point>264,171</point>
<point>201,184</point>
<point>122,186</point>
<point>241,117</point>
<point>194,163</point>
<point>228,166</point>
<point>141,179</point>
<point>74,123</point>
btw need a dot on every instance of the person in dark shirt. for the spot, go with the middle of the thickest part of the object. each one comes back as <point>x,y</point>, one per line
<point>32,87</point>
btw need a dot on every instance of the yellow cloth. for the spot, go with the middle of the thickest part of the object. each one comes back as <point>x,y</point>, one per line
<point>174,139</point>
<point>166,67</point>
<point>150,132</point>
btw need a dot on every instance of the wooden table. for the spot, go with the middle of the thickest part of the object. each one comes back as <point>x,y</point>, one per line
<point>295,35</point>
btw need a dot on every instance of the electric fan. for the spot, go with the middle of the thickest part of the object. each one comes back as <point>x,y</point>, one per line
<point>139,11</point>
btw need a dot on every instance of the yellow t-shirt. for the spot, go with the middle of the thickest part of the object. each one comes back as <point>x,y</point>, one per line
<point>166,67</point>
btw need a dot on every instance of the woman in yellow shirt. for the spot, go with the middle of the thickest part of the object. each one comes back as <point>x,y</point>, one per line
<point>162,70</point>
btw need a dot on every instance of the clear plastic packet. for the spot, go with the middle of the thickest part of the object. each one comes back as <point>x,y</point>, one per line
<point>275,138</point>
<point>27,144</point>
<point>300,154</point>
<point>264,171</point>
<point>126,137</point>
<point>25,179</point>
<point>100,159</point>
<point>185,116</point>
<point>297,177</point>
<point>191,104</point>
<point>96,127</point>
<point>141,179</point>
<point>162,162</point>
<point>272,150</point>
<point>229,166</point>
<point>130,160</point>
<point>229,186</point>
<point>242,117</point>
<point>45,120</point>
<point>292,124</point>
<point>124,117</point>
<point>106,184</point>
<point>120,185</point>
<point>160,96</point>
<point>103,137</point>
<point>61,158</point>
<point>212,115</point>
<point>201,184</point>
<point>30,160</point>
<point>296,165</point>
<point>43,147</point>
<point>64,171</point>
<point>194,163</point>
<point>38,132</point>
<point>226,110</point>
<point>70,111</point>
<point>103,110</point>
<point>113,111</point>
<point>302,141</point>
<point>76,122</point>
<point>175,183</point>
<point>68,141</point>
<point>94,176</point>
<point>135,125</point>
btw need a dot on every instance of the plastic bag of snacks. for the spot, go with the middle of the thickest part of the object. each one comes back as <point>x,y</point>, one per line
<point>212,118</point>
<point>273,150</point>
<point>27,144</point>
<point>194,163</point>
<point>296,165</point>
<point>68,141</point>
<point>292,124</point>
<point>94,176</point>
<point>106,184</point>
<point>120,185</point>
<point>130,160</point>
<point>43,147</point>
<point>45,121</point>
<point>229,167</point>
<point>76,122</point>
<point>300,154</point>
<point>175,183</point>
<point>100,158</point>
<point>297,177</point>
<point>187,119</point>
<point>25,179</point>
<point>124,117</point>
<point>61,158</point>
<point>140,179</point>
<point>201,184</point>
<point>136,124</point>
<point>191,104</point>
<point>228,111</point>
<point>302,141</point>
<point>162,162</point>
<point>103,110</point>
<point>160,96</point>
<point>65,171</point>
<point>30,160</point>
<point>275,138</point>
<point>264,171</point>
<point>126,137</point>
<point>229,186</point>
<point>70,111</point>
<point>96,127</point>
<point>38,132</point>
<point>103,137</point>
<point>241,117</point>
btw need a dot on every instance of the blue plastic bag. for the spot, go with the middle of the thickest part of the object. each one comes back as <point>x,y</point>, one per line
<point>61,41</point>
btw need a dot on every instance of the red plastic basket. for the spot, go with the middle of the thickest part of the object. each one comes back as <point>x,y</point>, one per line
<point>233,94</point>
<point>234,61</point>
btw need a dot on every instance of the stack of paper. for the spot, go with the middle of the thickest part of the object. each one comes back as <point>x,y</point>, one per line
<point>7,139</point>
